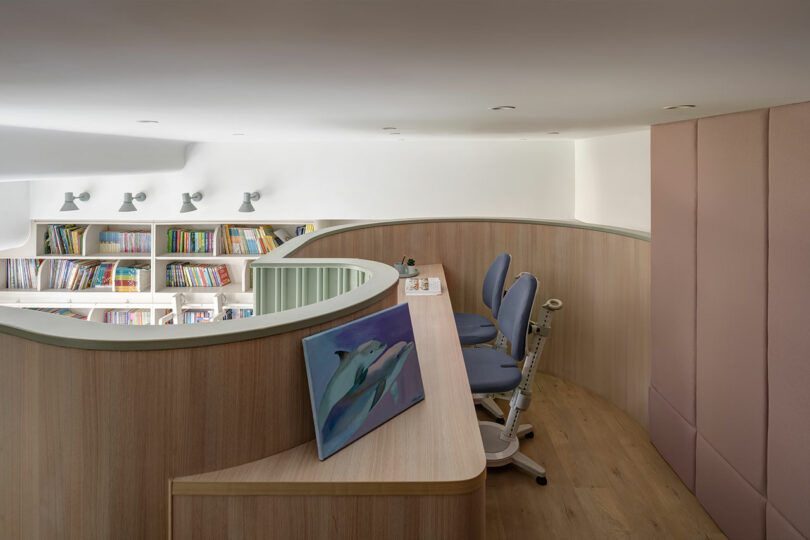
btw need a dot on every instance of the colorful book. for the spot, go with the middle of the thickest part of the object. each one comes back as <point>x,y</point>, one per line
<point>22,273</point>
<point>133,317</point>
<point>189,274</point>
<point>190,241</point>
<point>125,241</point>
<point>64,239</point>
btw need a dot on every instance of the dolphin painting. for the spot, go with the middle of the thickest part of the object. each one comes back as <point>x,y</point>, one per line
<point>361,374</point>
<point>370,385</point>
<point>343,378</point>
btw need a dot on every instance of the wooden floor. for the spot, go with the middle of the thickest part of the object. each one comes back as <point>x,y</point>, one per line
<point>605,479</point>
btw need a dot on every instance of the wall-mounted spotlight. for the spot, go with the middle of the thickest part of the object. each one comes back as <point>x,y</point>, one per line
<point>188,206</point>
<point>247,206</point>
<point>69,205</point>
<point>128,198</point>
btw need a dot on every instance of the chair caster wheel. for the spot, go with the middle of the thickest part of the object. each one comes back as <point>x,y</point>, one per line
<point>541,480</point>
<point>530,435</point>
<point>500,421</point>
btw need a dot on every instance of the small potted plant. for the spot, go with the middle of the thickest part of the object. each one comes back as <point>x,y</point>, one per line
<point>406,269</point>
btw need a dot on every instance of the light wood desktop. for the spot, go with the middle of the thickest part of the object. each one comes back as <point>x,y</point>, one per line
<point>421,474</point>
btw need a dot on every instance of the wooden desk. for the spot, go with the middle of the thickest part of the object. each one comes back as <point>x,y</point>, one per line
<point>420,475</point>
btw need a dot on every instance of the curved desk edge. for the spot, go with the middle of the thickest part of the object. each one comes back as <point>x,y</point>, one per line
<point>448,487</point>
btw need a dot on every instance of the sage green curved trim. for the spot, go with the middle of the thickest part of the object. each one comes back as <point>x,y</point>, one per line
<point>68,332</point>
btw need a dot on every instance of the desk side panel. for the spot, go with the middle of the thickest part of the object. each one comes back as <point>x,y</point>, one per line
<point>91,438</point>
<point>440,517</point>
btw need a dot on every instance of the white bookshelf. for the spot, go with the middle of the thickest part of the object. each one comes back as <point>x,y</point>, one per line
<point>157,298</point>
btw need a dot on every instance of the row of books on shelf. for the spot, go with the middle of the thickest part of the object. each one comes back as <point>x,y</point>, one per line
<point>190,241</point>
<point>238,313</point>
<point>132,278</point>
<point>64,239</point>
<point>252,240</point>
<point>76,275</point>
<point>22,273</point>
<point>187,274</point>
<point>125,241</point>
<point>143,317</point>
<point>61,311</point>
<point>304,229</point>
<point>132,316</point>
<point>194,316</point>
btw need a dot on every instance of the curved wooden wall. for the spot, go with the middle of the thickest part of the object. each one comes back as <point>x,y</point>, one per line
<point>89,439</point>
<point>601,338</point>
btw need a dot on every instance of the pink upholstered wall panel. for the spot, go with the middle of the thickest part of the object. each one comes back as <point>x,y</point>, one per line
<point>777,526</point>
<point>731,292</point>
<point>789,315</point>
<point>673,266</point>
<point>674,438</point>
<point>737,507</point>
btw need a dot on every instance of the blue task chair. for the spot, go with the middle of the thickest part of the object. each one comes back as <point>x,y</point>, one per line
<point>493,371</point>
<point>475,329</point>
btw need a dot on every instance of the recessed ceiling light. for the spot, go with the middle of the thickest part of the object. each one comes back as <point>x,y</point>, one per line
<point>390,128</point>
<point>503,108</point>
<point>676,107</point>
<point>395,133</point>
<point>148,122</point>
<point>553,132</point>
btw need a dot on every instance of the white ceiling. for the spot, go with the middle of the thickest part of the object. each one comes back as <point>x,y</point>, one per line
<point>346,68</point>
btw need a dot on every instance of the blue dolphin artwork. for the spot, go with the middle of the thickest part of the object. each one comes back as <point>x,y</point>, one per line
<point>361,375</point>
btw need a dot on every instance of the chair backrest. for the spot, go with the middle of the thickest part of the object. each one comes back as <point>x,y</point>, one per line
<point>493,282</point>
<point>516,309</point>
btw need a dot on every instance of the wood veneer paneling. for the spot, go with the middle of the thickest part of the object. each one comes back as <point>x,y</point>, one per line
<point>89,439</point>
<point>440,517</point>
<point>601,338</point>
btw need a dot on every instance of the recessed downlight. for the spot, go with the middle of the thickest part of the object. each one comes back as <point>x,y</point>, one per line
<point>503,108</point>
<point>395,133</point>
<point>553,132</point>
<point>389,128</point>
<point>677,107</point>
<point>148,122</point>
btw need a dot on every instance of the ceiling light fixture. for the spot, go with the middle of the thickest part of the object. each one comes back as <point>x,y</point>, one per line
<point>247,206</point>
<point>395,133</point>
<point>677,107</point>
<point>148,122</point>
<point>503,108</point>
<point>188,206</point>
<point>390,128</point>
<point>553,132</point>
<point>69,205</point>
<point>128,198</point>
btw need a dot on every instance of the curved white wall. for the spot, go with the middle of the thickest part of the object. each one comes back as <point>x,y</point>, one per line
<point>341,180</point>
<point>27,153</point>
<point>14,217</point>
<point>613,180</point>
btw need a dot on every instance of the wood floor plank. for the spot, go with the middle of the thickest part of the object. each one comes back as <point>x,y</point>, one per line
<point>605,479</point>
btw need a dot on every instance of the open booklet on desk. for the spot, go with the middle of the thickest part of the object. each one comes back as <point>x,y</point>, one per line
<point>423,286</point>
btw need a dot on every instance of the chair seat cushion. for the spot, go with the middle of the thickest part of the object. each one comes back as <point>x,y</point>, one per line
<point>490,371</point>
<point>474,329</point>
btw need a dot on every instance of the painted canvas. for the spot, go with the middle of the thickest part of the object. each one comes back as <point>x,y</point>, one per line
<point>361,375</point>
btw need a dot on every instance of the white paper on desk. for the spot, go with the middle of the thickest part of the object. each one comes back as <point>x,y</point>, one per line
<point>423,286</point>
